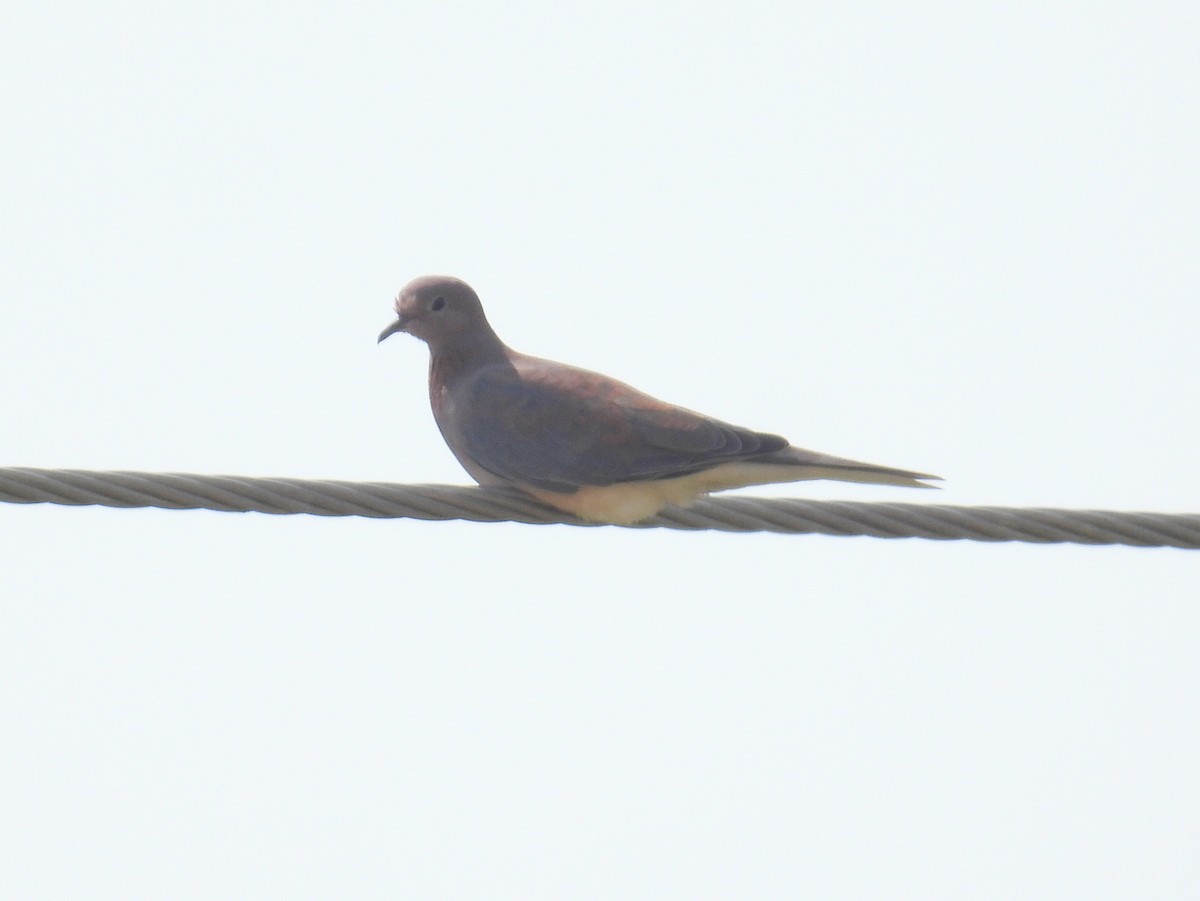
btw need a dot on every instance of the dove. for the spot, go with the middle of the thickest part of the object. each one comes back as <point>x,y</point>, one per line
<point>582,442</point>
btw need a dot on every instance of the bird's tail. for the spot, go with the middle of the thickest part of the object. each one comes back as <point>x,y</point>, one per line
<point>823,466</point>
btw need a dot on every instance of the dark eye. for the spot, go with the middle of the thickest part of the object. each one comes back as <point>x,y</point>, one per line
<point>438,303</point>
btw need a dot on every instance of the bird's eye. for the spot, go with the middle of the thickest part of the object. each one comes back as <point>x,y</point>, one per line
<point>438,303</point>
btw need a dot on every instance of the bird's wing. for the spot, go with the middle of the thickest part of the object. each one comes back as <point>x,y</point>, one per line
<point>559,428</point>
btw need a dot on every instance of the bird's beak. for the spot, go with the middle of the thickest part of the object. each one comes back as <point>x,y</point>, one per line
<point>397,326</point>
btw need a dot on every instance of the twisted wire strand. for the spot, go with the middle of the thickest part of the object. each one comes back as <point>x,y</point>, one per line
<point>177,491</point>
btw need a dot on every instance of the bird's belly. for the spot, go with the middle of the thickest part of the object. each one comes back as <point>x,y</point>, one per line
<point>622,504</point>
<point>626,503</point>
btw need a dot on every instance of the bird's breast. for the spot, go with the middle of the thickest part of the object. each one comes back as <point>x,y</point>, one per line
<point>439,373</point>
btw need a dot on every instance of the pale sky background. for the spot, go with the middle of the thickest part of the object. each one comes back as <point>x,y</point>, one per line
<point>959,238</point>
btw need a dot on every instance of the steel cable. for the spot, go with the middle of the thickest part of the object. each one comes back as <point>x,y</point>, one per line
<point>730,514</point>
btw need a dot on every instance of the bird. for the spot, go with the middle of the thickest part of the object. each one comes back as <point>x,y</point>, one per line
<point>581,442</point>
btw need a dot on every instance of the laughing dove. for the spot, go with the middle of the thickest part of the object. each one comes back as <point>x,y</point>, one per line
<point>580,441</point>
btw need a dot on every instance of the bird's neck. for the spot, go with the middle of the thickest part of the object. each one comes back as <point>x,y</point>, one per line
<point>448,363</point>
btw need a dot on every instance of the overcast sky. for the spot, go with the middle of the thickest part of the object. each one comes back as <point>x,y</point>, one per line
<point>956,238</point>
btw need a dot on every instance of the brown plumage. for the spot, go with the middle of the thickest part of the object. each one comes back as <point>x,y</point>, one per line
<point>580,441</point>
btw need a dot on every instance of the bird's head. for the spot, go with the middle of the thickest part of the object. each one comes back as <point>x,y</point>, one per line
<point>441,310</point>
